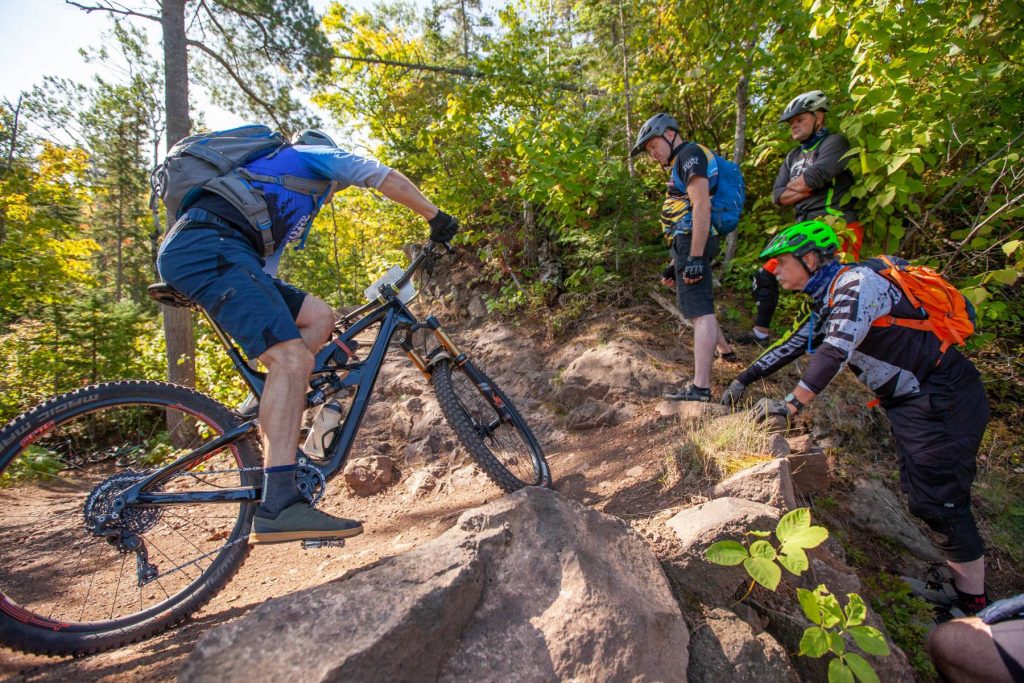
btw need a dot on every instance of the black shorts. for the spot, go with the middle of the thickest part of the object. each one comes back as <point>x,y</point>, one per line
<point>937,436</point>
<point>694,300</point>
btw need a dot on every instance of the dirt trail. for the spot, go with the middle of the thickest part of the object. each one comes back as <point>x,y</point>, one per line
<point>625,470</point>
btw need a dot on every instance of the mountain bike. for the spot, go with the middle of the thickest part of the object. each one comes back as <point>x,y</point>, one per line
<point>126,506</point>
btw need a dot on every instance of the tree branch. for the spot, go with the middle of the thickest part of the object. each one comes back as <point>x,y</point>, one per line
<point>456,71</point>
<point>238,80</point>
<point>124,11</point>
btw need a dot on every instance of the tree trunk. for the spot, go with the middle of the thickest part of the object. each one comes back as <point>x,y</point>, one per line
<point>739,145</point>
<point>181,365</point>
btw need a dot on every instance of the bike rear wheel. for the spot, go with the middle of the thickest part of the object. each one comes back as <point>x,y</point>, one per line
<point>67,587</point>
<point>490,428</point>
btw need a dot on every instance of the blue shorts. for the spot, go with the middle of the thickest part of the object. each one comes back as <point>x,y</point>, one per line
<point>217,267</point>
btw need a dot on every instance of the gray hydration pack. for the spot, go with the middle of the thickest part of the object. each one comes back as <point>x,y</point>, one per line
<point>214,162</point>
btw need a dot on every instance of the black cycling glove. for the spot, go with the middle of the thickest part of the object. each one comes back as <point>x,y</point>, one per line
<point>694,269</point>
<point>443,227</point>
<point>669,273</point>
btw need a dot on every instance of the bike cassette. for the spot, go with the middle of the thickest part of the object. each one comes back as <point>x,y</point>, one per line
<point>315,543</point>
<point>101,513</point>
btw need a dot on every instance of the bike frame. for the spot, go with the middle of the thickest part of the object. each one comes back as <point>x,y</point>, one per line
<point>393,317</point>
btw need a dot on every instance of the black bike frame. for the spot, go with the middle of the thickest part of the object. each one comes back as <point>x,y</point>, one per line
<point>393,316</point>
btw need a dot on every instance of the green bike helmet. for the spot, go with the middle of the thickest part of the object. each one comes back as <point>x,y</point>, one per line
<point>802,238</point>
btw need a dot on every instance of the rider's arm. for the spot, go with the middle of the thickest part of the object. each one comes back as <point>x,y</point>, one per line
<point>398,188</point>
<point>828,162</point>
<point>344,168</point>
<point>781,180</point>
<point>860,297</point>
<point>700,203</point>
<point>791,347</point>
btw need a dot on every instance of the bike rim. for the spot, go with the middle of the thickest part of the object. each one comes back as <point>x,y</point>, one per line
<point>57,573</point>
<point>500,433</point>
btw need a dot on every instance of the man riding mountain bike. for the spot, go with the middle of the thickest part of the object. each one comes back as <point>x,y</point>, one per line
<point>932,394</point>
<point>215,257</point>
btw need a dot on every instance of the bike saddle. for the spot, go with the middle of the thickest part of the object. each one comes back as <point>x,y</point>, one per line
<point>168,296</point>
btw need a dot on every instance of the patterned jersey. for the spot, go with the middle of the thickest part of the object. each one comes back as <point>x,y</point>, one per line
<point>894,362</point>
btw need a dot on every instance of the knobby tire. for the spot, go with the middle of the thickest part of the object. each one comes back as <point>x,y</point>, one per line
<point>502,444</point>
<point>63,589</point>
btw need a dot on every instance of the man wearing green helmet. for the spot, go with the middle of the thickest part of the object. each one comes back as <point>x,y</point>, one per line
<point>932,394</point>
<point>686,216</point>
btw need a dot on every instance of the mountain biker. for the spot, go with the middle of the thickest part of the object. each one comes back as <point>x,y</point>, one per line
<point>214,256</point>
<point>934,400</point>
<point>815,181</point>
<point>693,248</point>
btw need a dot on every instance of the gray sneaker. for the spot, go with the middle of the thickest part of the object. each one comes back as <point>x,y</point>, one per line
<point>299,522</point>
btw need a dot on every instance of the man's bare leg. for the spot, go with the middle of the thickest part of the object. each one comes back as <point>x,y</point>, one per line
<point>963,650</point>
<point>969,577</point>
<point>705,337</point>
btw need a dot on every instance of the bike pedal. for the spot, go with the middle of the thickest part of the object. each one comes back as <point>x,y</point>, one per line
<point>317,543</point>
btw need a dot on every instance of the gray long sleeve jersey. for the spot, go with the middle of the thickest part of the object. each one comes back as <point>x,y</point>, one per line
<point>825,171</point>
<point>894,362</point>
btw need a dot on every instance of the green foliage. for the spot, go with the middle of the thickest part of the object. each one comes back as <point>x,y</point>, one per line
<point>794,533</point>
<point>34,463</point>
<point>831,620</point>
<point>907,618</point>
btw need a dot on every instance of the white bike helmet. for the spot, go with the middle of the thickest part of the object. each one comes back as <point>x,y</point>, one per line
<point>810,101</point>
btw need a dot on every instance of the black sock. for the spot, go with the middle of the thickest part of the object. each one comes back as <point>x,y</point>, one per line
<point>970,603</point>
<point>279,490</point>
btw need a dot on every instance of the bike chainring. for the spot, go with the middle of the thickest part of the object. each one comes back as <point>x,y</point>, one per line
<point>99,507</point>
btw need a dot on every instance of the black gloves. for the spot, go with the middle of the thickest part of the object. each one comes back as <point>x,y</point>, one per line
<point>767,407</point>
<point>694,269</point>
<point>669,273</point>
<point>732,395</point>
<point>443,227</point>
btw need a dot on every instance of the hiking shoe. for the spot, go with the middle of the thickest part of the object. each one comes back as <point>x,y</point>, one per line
<point>690,393</point>
<point>941,594</point>
<point>748,338</point>
<point>301,521</point>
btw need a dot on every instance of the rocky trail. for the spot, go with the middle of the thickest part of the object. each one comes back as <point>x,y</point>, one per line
<point>677,475</point>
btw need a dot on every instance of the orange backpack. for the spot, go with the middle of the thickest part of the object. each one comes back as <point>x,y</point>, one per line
<point>945,312</point>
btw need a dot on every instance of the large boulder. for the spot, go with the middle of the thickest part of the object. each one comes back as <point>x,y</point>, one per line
<point>767,483</point>
<point>876,509</point>
<point>606,373</point>
<point>726,648</point>
<point>530,587</point>
<point>697,528</point>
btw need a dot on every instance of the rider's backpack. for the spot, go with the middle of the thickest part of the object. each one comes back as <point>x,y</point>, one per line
<point>943,310</point>
<point>214,162</point>
<point>727,189</point>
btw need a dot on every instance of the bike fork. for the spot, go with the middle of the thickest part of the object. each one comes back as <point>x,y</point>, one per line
<point>458,358</point>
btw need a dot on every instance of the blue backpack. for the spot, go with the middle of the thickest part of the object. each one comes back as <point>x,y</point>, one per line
<point>728,193</point>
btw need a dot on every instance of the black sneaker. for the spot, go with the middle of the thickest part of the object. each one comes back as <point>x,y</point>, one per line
<point>730,357</point>
<point>748,338</point>
<point>690,393</point>
<point>941,594</point>
<point>301,521</point>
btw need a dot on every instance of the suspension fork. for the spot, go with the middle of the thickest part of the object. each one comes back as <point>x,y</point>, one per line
<point>458,358</point>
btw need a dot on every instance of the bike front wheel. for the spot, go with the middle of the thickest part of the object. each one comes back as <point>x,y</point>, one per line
<point>75,578</point>
<point>490,427</point>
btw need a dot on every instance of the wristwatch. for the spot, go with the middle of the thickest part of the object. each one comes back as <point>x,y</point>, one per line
<point>794,401</point>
